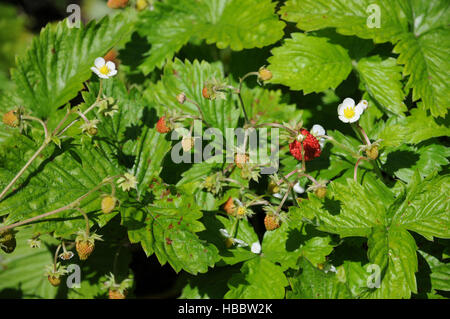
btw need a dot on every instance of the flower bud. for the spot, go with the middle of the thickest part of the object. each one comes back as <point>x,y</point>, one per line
<point>181,98</point>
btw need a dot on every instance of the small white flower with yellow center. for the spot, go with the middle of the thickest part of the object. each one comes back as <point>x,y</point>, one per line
<point>349,112</point>
<point>127,182</point>
<point>229,241</point>
<point>104,69</point>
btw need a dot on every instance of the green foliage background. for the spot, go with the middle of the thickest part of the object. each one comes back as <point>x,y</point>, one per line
<point>319,52</point>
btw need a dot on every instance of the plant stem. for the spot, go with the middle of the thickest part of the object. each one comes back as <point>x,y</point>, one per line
<point>355,170</point>
<point>55,258</point>
<point>284,199</point>
<point>32,118</point>
<point>61,209</point>
<point>241,81</point>
<point>24,168</point>
<point>86,219</point>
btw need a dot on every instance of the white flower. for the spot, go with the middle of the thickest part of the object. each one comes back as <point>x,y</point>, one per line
<point>348,112</point>
<point>318,130</point>
<point>363,104</point>
<point>298,189</point>
<point>235,241</point>
<point>330,268</point>
<point>127,182</point>
<point>104,69</point>
<point>256,247</point>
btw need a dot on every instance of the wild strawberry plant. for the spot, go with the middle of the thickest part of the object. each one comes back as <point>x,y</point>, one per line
<point>356,204</point>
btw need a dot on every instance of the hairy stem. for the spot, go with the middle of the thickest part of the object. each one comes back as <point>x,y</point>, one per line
<point>355,170</point>
<point>32,118</point>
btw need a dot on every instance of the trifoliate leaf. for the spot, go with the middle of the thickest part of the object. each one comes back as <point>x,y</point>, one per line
<point>169,228</point>
<point>352,17</point>
<point>309,63</point>
<point>239,24</point>
<point>59,61</point>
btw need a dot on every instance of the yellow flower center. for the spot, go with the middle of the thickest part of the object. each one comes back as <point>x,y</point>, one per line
<point>104,70</point>
<point>349,112</point>
<point>241,211</point>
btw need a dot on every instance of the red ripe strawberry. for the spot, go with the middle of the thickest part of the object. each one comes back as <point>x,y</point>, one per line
<point>84,249</point>
<point>161,126</point>
<point>271,222</point>
<point>310,143</point>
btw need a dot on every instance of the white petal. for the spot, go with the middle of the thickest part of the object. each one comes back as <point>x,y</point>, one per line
<point>99,62</point>
<point>111,65</point>
<point>354,118</point>
<point>317,130</point>
<point>343,119</point>
<point>240,243</point>
<point>103,76</point>
<point>340,109</point>
<point>256,247</point>
<point>112,73</point>
<point>224,233</point>
<point>349,102</point>
<point>95,70</point>
<point>359,108</point>
<point>298,188</point>
<point>277,195</point>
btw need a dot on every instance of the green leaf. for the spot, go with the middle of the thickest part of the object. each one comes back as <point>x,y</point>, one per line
<point>190,78</point>
<point>426,62</point>
<point>425,209</point>
<point>405,160</point>
<point>399,249</point>
<point>59,178</point>
<point>59,60</point>
<point>312,283</point>
<point>349,17</point>
<point>309,63</point>
<point>259,279</point>
<point>22,273</point>
<point>245,232</point>
<point>413,129</point>
<point>286,244</point>
<point>239,24</point>
<point>349,210</point>
<point>168,228</point>
<point>440,272</point>
<point>149,151</point>
<point>382,79</point>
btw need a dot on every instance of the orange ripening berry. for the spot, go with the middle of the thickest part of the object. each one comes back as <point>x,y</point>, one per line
<point>241,159</point>
<point>84,249</point>
<point>271,222</point>
<point>229,207</point>
<point>54,280</point>
<point>117,4</point>
<point>161,126</point>
<point>11,119</point>
<point>116,294</point>
<point>206,93</point>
